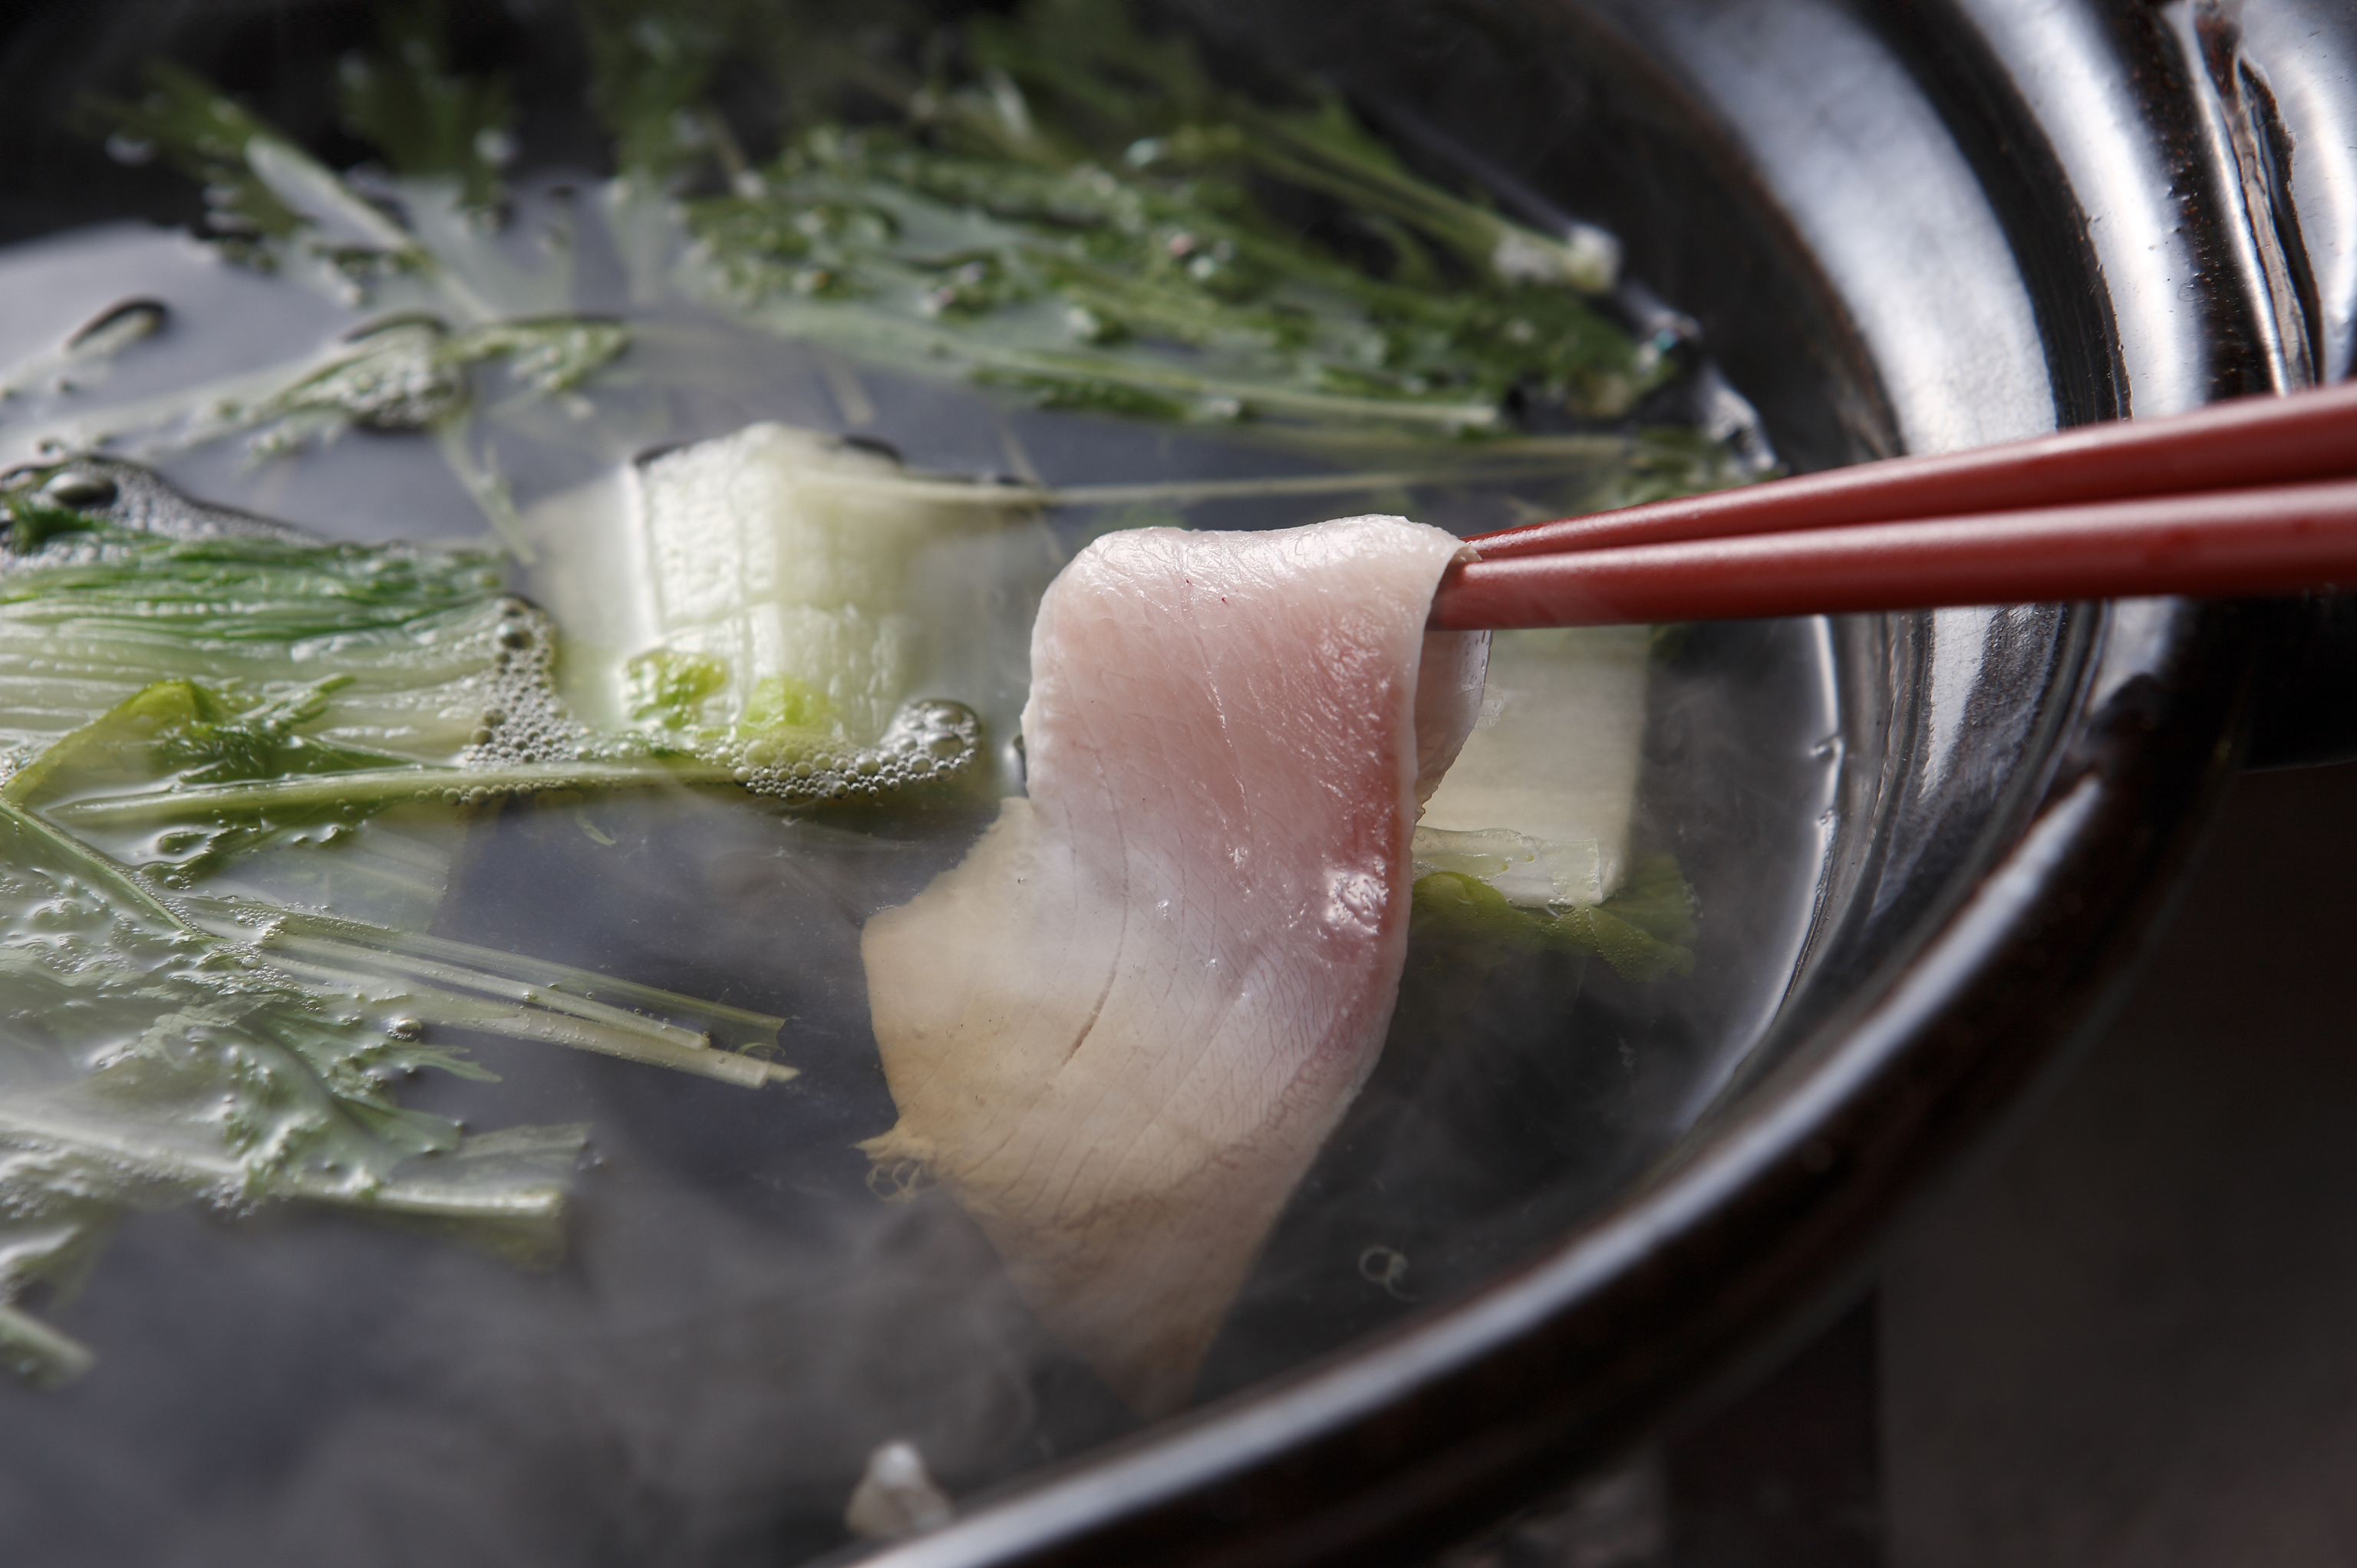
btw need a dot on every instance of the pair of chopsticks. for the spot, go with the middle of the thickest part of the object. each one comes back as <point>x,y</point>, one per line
<point>2256,496</point>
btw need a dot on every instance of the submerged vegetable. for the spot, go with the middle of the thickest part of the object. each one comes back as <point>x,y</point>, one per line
<point>145,1062</point>
<point>153,652</point>
<point>971,199</point>
<point>1539,801</point>
<point>774,584</point>
<point>1120,1031</point>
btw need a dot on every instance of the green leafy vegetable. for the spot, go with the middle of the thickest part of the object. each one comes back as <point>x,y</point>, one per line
<point>457,301</point>
<point>137,662</point>
<point>235,1054</point>
<point>1057,202</point>
<point>1460,922</point>
<point>425,120</point>
<point>146,1062</point>
<point>233,690</point>
<point>409,375</point>
<point>1087,217</point>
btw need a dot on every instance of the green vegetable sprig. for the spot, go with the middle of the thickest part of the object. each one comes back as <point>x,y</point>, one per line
<point>1083,215</point>
<point>415,245</point>
<point>182,659</point>
<point>148,1062</point>
<point>1643,930</point>
<point>428,120</point>
<point>1060,203</point>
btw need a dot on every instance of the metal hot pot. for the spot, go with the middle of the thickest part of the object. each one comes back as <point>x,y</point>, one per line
<point>1897,228</point>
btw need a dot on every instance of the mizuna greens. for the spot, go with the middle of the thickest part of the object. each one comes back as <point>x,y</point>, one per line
<point>1078,212</point>
<point>214,727</point>
<point>1057,203</point>
<point>226,688</point>
<point>154,1053</point>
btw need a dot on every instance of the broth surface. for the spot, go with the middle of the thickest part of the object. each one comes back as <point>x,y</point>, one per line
<point>738,1318</point>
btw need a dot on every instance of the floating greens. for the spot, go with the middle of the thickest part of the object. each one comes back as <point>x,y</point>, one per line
<point>181,689</point>
<point>208,718</point>
<point>1058,203</point>
<point>1112,249</point>
<point>147,648</point>
<point>224,684</point>
<point>1062,202</point>
<point>146,1062</point>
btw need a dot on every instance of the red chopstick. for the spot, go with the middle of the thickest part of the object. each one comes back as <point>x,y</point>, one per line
<point>2249,441</point>
<point>2280,538</point>
<point>2096,513</point>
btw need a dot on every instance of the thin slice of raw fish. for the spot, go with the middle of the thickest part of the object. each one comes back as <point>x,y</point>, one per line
<point>1120,1030</point>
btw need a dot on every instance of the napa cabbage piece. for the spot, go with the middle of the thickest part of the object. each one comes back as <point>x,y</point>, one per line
<point>801,608</point>
<point>182,686</point>
<point>1538,804</point>
<point>1527,846</point>
<point>774,566</point>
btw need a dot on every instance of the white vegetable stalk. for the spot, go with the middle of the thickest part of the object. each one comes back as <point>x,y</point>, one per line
<point>782,556</point>
<point>1539,800</point>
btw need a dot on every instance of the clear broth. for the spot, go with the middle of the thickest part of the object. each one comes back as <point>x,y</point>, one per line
<point>738,1318</point>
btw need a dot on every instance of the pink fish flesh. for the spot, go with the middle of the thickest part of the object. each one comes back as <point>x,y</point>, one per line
<point>1120,1030</point>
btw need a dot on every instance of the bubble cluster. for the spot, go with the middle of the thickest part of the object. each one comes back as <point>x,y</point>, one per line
<point>930,742</point>
<point>521,721</point>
